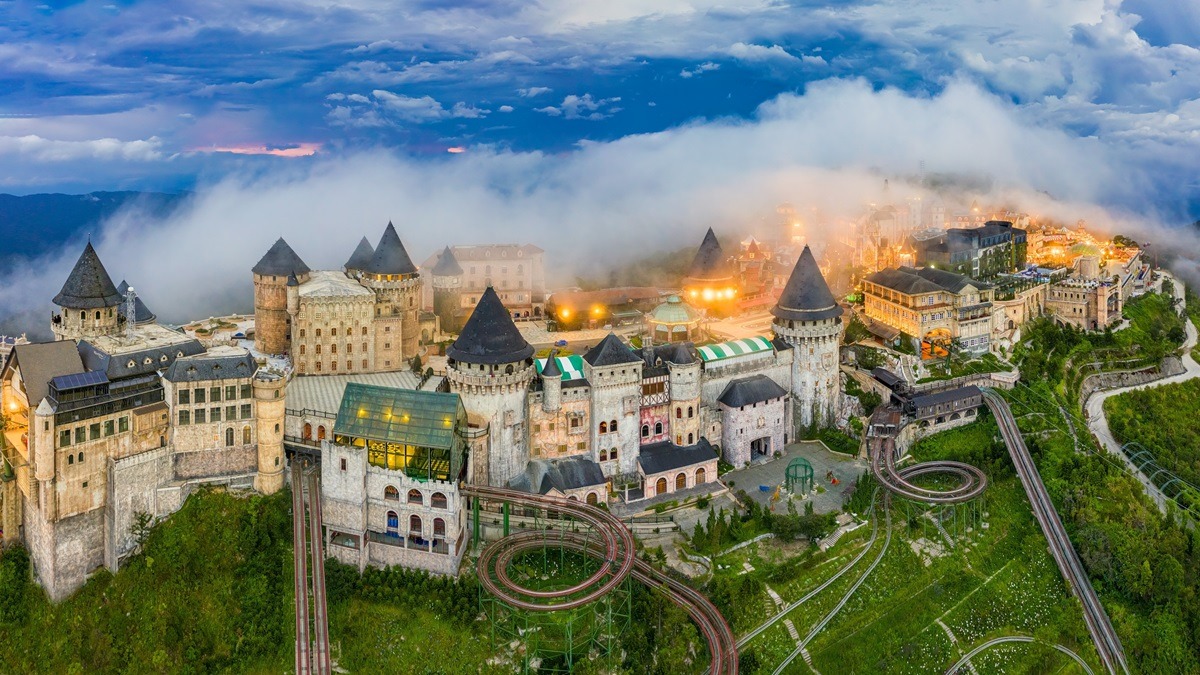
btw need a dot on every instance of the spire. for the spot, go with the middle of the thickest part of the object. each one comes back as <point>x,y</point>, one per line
<point>361,257</point>
<point>490,336</point>
<point>806,297</point>
<point>141,313</point>
<point>280,260</point>
<point>611,351</point>
<point>88,286</point>
<point>551,370</point>
<point>390,256</point>
<point>447,265</point>
<point>710,262</point>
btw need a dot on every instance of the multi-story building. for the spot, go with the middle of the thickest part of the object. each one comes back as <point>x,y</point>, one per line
<point>1090,304</point>
<point>933,305</point>
<point>515,271</point>
<point>979,252</point>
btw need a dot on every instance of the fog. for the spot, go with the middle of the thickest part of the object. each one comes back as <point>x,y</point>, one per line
<point>605,202</point>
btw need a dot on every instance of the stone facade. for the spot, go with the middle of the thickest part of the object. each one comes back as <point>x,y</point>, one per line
<point>754,431</point>
<point>497,396</point>
<point>272,324</point>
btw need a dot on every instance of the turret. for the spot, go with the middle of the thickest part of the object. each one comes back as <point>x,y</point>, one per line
<point>393,277</point>
<point>43,441</point>
<point>293,296</point>
<point>272,323</point>
<point>89,302</point>
<point>710,281</point>
<point>551,385</point>
<point>684,414</point>
<point>359,259</point>
<point>808,318</point>
<point>491,366</point>
<point>446,277</point>
<point>615,373</point>
<point>270,403</point>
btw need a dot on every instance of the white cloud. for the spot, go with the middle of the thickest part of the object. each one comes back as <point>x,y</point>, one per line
<point>699,70</point>
<point>108,149</point>
<point>759,53</point>
<point>534,91</point>
<point>410,108</point>
<point>505,108</point>
<point>549,110</point>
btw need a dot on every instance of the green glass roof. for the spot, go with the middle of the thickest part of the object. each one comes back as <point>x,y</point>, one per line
<point>422,418</point>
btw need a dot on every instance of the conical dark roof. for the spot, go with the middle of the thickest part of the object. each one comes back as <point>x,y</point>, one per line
<point>710,261</point>
<point>611,352</point>
<point>490,336</point>
<point>280,261</point>
<point>390,256</point>
<point>361,257</point>
<point>141,313</point>
<point>806,297</point>
<point>88,286</point>
<point>447,265</point>
<point>551,370</point>
<point>292,280</point>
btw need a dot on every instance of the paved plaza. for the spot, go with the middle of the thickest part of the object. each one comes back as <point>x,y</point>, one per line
<point>772,473</point>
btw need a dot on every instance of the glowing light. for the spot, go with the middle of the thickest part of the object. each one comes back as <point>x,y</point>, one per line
<point>290,151</point>
<point>597,310</point>
<point>446,421</point>
<point>708,294</point>
<point>456,150</point>
<point>565,313</point>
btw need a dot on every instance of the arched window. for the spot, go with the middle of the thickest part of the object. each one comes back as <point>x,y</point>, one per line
<point>612,454</point>
<point>612,426</point>
<point>657,428</point>
<point>321,433</point>
<point>603,455</point>
<point>246,435</point>
<point>689,412</point>
<point>97,316</point>
<point>438,500</point>
<point>661,486</point>
<point>414,497</point>
<point>307,431</point>
<point>645,431</point>
<point>604,427</point>
<point>229,436</point>
<point>508,370</point>
<point>332,349</point>
<point>591,498</point>
<point>82,315</point>
<point>572,498</point>
<point>679,413</point>
<point>302,332</point>
<point>690,439</point>
<point>393,523</point>
<point>318,349</point>
<point>391,494</point>
<point>414,525</point>
<point>439,527</point>
<point>700,476</point>
<point>681,481</point>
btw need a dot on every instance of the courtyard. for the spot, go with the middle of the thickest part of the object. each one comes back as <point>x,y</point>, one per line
<point>825,496</point>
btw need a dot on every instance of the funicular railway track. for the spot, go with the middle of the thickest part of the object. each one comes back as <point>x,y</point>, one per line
<point>312,623</point>
<point>613,544</point>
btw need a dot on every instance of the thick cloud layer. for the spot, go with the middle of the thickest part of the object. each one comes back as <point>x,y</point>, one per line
<point>602,203</point>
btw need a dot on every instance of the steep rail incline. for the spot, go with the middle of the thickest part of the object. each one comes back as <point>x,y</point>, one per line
<point>1108,645</point>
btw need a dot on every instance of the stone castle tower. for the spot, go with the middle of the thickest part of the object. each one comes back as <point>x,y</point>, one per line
<point>685,395</point>
<point>808,318</point>
<point>89,302</point>
<point>447,291</point>
<point>615,373</point>
<point>393,277</point>
<point>272,323</point>
<point>491,366</point>
<point>270,401</point>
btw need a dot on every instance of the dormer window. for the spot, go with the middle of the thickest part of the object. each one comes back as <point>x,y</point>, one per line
<point>163,358</point>
<point>147,360</point>
<point>179,355</point>
<point>131,363</point>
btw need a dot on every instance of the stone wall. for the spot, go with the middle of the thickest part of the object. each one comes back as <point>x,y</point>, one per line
<point>1168,367</point>
<point>213,462</point>
<point>133,487</point>
<point>78,551</point>
<point>617,396</point>
<point>743,425</point>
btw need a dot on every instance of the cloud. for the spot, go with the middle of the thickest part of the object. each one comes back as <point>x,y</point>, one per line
<point>109,149</point>
<point>386,108</point>
<point>534,91</point>
<point>827,149</point>
<point>699,70</point>
<point>505,108</point>
<point>574,107</point>
<point>759,53</point>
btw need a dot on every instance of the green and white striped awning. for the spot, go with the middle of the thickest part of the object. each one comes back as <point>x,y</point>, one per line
<point>725,350</point>
<point>570,366</point>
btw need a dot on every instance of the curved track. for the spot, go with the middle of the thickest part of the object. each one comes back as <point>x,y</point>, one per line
<point>614,546</point>
<point>1014,638</point>
<point>972,480</point>
<point>1108,645</point>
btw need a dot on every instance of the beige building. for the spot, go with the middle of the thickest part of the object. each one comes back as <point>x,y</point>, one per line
<point>936,306</point>
<point>516,272</point>
<point>1089,304</point>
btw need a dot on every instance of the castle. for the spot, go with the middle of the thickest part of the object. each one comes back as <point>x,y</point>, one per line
<point>120,419</point>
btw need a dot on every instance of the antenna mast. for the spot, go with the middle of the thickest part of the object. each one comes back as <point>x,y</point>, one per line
<point>130,312</point>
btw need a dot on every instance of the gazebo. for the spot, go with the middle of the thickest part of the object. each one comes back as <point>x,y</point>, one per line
<point>674,321</point>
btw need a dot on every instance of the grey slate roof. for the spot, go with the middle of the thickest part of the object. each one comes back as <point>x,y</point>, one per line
<point>205,367</point>
<point>887,377</point>
<point>683,354</point>
<point>570,473</point>
<point>551,370</point>
<point>41,362</point>
<point>279,261</point>
<point>118,367</point>
<point>666,456</point>
<point>750,390</point>
<point>361,257</point>
<point>88,286</point>
<point>806,297</point>
<point>447,265</point>
<point>390,256</point>
<point>490,336</point>
<point>141,313</point>
<point>948,280</point>
<point>913,281</point>
<point>710,261</point>
<point>611,351</point>
<point>946,396</point>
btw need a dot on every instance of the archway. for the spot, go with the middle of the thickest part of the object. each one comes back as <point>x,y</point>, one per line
<point>661,486</point>
<point>700,476</point>
<point>681,481</point>
<point>307,431</point>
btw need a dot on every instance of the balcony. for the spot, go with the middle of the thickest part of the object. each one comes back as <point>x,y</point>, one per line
<point>412,542</point>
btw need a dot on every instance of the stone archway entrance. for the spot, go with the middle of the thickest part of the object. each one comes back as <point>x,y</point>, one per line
<point>760,447</point>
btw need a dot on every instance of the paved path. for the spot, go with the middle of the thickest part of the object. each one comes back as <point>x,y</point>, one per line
<point>1098,423</point>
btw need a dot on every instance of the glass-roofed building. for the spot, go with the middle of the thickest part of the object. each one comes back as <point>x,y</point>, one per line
<point>390,479</point>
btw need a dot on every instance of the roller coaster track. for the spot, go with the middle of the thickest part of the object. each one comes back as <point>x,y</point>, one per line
<point>614,547</point>
<point>1014,638</point>
<point>1108,644</point>
<point>883,464</point>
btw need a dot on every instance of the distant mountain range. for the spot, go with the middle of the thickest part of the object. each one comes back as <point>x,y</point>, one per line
<point>30,224</point>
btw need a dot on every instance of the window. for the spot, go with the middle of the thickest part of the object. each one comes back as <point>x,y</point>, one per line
<point>199,416</point>
<point>387,345</point>
<point>214,394</point>
<point>185,395</point>
<point>575,422</point>
<point>246,411</point>
<point>201,395</point>
<point>350,348</point>
<point>414,497</point>
<point>332,349</point>
<point>689,412</point>
<point>245,391</point>
<point>679,413</point>
<point>64,438</point>
<point>230,413</point>
<point>645,431</point>
<point>658,428</point>
<point>364,332</point>
<point>603,455</point>
<point>110,427</point>
<point>364,363</point>
<point>681,481</point>
<point>612,454</point>
<point>318,332</point>
<point>439,527</point>
<point>581,446</point>
<point>343,464</point>
<point>321,432</point>
<point>246,435</point>
<point>70,460</point>
<point>612,426</point>
<point>393,522</point>
<point>123,424</point>
<point>214,415</point>
<point>661,486</point>
<point>700,476</point>
<point>604,427</point>
<point>318,349</point>
<point>349,364</point>
<point>414,526</point>
<point>690,437</point>
<point>438,500</point>
<point>301,350</point>
<point>231,392</point>
<point>591,498</point>
<point>391,494</point>
<point>364,348</point>
<point>81,434</point>
<point>302,332</point>
<point>229,437</point>
<point>185,418</point>
<point>94,431</point>
<point>333,332</point>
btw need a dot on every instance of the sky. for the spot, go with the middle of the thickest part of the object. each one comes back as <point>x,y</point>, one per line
<point>581,126</point>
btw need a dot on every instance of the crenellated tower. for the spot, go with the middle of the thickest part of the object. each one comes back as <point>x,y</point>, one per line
<point>684,415</point>
<point>269,399</point>
<point>491,367</point>
<point>808,318</point>
<point>89,303</point>
<point>393,277</point>
<point>272,322</point>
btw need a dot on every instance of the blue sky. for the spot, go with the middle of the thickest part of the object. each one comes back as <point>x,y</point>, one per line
<point>158,95</point>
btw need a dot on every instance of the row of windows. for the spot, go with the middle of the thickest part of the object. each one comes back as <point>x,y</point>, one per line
<point>608,427</point>
<point>414,525</point>
<point>658,429</point>
<point>333,365</point>
<point>92,432</point>
<point>333,332</point>
<point>679,412</point>
<point>487,269</point>
<point>437,501</point>
<point>574,420</point>
<point>608,455</point>
<point>349,348</point>
<point>202,416</point>
<point>213,394</point>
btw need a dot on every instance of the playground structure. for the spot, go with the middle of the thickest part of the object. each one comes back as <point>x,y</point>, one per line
<point>560,624</point>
